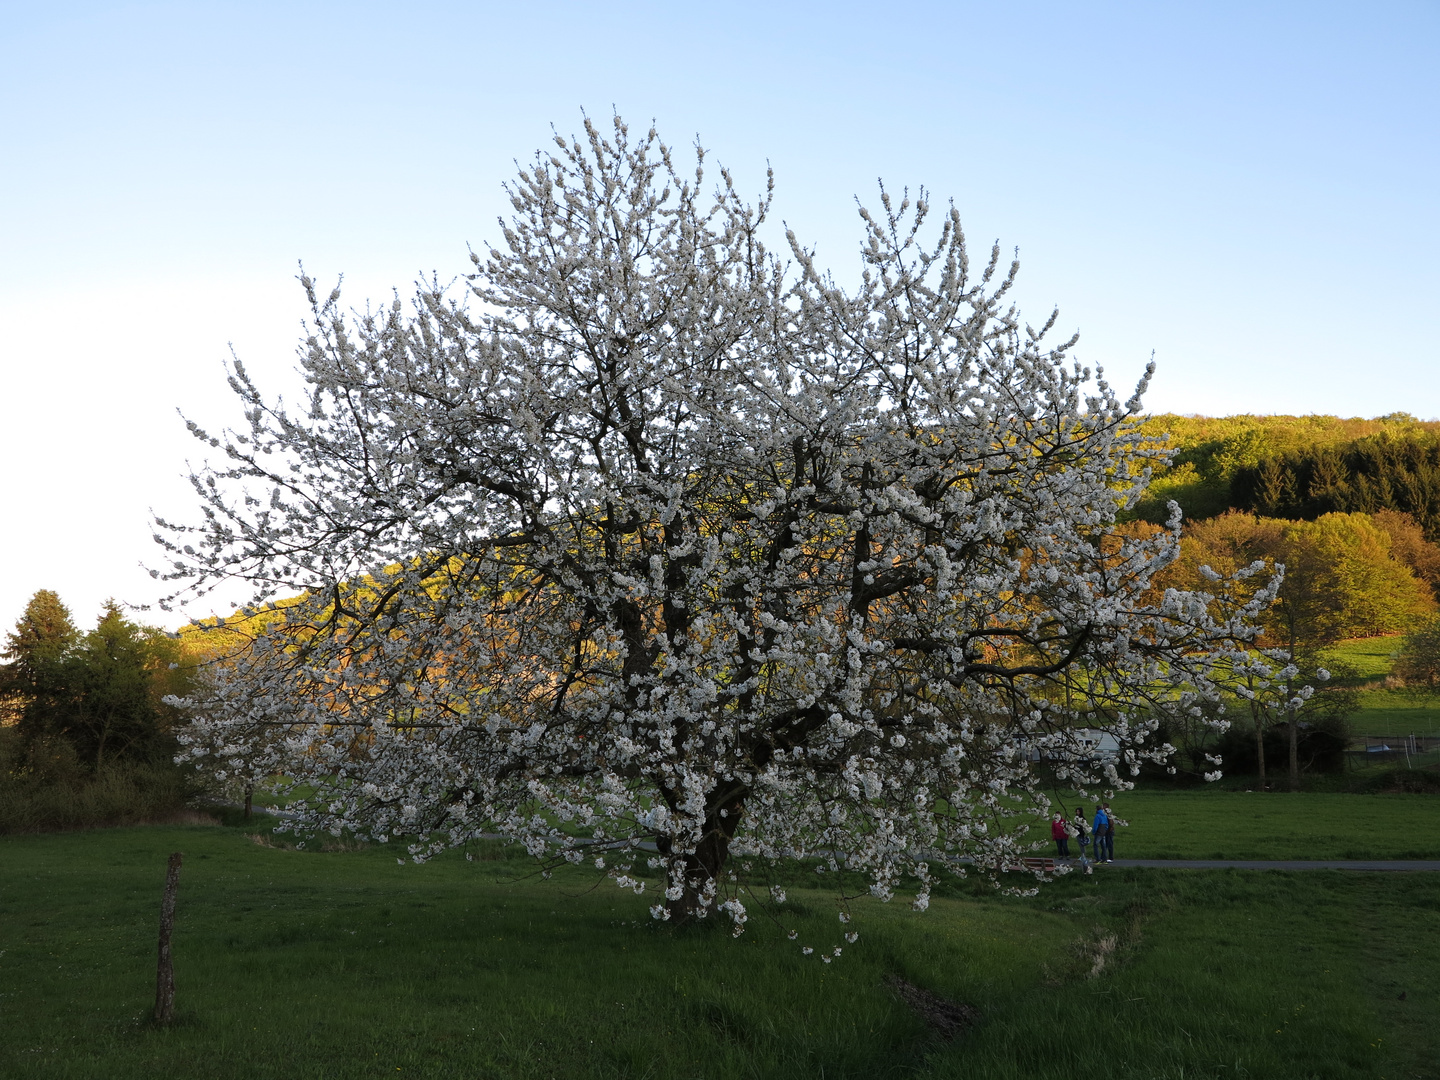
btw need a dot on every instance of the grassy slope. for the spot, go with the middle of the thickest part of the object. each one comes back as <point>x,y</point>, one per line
<point>1384,712</point>
<point>307,965</point>
<point>1372,658</point>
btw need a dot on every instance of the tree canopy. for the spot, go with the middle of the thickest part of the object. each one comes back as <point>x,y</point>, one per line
<point>1377,473</point>
<point>98,696</point>
<point>1343,579</point>
<point>662,540</point>
<point>1418,664</point>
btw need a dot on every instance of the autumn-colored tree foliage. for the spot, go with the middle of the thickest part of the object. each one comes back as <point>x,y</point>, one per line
<point>1343,578</point>
<point>1409,546</point>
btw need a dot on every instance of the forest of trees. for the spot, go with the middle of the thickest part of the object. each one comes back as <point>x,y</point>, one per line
<point>85,733</point>
<point>1370,475</point>
<point>1350,508</point>
<point>1345,576</point>
<point>1298,467</point>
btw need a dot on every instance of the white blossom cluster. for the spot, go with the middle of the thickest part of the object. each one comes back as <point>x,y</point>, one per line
<point>660,547</point>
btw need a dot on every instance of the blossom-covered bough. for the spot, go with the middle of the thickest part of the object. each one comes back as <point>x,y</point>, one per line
<point>660,547</point>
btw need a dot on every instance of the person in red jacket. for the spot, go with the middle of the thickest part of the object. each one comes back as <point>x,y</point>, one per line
<point>1060,833</point>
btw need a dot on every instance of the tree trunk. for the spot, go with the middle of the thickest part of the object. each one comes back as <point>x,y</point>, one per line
<point>1294,753</point>
<point>707,863</point>
<point>1260,752</point>
<point>165,973</point>
<point>249,797</point>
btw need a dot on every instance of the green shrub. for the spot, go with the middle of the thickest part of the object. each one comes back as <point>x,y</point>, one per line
<point>43,788</point>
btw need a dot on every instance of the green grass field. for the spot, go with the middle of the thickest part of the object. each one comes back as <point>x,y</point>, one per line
<point>1275,825</point>
<point>1384,712</point>
<point>1390,712</point>
<point>293,965</point>
<point>1372,658</point>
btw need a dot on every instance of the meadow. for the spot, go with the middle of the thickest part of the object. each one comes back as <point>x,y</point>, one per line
<point>1221,824</point>
<point>304,963</point>
<point>1383,711</point>
<point>296,964</point>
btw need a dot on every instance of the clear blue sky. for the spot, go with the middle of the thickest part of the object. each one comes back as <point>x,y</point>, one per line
<point>1247,190</point>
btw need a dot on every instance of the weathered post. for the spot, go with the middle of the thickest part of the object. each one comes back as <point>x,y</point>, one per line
<point>165,974</point>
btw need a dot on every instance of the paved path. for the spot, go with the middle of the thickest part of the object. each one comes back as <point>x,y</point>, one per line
<point>1280,864</point>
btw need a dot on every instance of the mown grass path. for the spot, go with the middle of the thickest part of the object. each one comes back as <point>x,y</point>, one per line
<point>296,965</point>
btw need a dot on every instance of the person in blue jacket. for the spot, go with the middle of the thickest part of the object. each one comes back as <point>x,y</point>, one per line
<point>1098,831</point>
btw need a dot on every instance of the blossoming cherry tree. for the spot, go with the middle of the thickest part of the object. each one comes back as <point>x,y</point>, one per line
<point>658,546</point>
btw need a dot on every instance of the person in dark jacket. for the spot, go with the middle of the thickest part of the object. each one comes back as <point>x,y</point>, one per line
<point>1109,833</point>
<point>1081,832</point>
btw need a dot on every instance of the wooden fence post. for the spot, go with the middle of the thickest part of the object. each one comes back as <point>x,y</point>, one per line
<point>165,974</point>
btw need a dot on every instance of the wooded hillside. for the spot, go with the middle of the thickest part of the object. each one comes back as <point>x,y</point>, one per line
<point>1298,467</point>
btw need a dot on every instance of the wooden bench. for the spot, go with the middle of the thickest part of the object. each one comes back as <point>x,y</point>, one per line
<point>1044,863</point>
